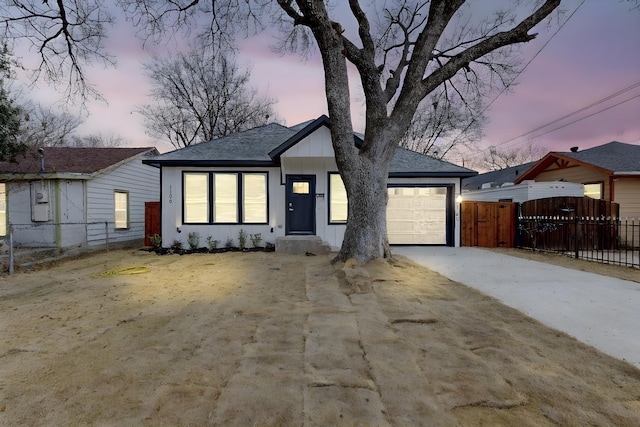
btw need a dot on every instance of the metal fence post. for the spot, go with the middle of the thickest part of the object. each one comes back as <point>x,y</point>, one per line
<point>576,236</point>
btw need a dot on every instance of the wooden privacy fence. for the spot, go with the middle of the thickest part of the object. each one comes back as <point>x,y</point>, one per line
<point>489,224</point>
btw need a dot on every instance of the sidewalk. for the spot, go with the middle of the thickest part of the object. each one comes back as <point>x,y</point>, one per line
<point>601,311</point>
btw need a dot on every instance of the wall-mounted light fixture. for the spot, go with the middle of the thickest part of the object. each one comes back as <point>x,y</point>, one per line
<point>459,198</point>
<point>178,230</point>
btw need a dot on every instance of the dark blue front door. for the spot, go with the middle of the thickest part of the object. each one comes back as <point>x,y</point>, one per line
<point>301,204</point>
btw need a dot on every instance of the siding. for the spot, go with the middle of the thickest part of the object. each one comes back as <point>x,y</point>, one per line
<point>578,174</point>
<point>627,194</point>
<point>142,184</point>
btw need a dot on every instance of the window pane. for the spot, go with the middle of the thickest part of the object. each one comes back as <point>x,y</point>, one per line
<point>225,203</point>
<point>121,200</point>
<point>338,203</point>
<point>255,198</point>
<point>196,200</point>
<point>3,210</point>
<point>593,190</point>
<point>301,187</point>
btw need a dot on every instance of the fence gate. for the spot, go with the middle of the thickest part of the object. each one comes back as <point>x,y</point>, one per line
<point>151,220</point>
<point>489,224</point>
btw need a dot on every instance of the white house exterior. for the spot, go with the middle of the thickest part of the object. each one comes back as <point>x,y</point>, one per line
<point>278,181</point>
<point>66,197</point>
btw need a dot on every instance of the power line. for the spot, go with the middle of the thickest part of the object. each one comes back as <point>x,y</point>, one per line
<point>580,110</point>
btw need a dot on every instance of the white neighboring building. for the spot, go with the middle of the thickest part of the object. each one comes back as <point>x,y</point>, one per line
<point>64,197</point>
<point>526,190</point>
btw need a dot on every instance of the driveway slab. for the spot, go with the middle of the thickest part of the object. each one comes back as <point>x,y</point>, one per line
<point>601,311</point>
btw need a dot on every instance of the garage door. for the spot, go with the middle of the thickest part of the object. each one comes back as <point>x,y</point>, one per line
<point>417,216</point>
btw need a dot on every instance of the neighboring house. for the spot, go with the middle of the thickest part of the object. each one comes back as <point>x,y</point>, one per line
<point>281,181</point>
<point>62,197</point>
<point>609,172</point>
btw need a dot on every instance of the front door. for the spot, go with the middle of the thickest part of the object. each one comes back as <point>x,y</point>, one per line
<point>301,204</point>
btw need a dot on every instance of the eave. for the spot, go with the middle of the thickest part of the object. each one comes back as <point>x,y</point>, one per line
<point>562,161</point>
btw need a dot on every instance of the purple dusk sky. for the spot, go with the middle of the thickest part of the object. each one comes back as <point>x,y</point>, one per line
<point>596,54</point>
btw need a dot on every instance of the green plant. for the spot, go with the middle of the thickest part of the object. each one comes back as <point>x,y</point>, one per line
<point>256,239</point>
<point>212,244</point>
<point>156,241</point>
<point>193,240</point>
<point>242,239</point>
<point>229,243</point>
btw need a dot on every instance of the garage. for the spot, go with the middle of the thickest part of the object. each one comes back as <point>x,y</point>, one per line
<point>420,215</point>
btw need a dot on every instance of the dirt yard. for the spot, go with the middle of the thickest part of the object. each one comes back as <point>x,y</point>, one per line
<point>267,339</point>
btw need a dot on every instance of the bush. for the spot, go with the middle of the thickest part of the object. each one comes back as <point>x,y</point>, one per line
<point>156,241</point>
<point>194,240</point>
<point>212,244</point>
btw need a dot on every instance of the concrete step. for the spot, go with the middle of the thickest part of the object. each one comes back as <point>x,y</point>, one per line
<point>302,245</point>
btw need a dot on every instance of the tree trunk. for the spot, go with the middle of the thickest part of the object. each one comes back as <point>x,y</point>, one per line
<point>365,237</point>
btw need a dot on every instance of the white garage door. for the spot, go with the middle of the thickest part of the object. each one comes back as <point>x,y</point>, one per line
<point>417,216</point>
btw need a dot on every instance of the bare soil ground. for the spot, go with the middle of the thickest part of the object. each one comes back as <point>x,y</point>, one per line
<point>269,339</point>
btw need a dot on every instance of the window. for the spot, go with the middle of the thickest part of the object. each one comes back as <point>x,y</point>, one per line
<point>593,190</point>
<point>225,198</point>
<point>338,203</point>
<point>196,201</point>
<point>220,197</point>
<point>3,209</point>
<point>121,199</point>
<point>254,203</point>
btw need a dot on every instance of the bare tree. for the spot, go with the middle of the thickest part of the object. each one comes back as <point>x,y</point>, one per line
<point>443,126</point>
<point>96,140</point>
<point>42,126</point>
<point>68,35</point>
<point>200,96</point>
<point>496,159</point>
<point>403,51</point>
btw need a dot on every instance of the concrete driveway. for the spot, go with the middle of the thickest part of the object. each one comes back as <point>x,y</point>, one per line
<point>601,311</point>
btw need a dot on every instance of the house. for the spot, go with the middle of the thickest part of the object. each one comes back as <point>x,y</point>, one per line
<point>609,172</point>
<point>279,181</point>
<point>63,197</point>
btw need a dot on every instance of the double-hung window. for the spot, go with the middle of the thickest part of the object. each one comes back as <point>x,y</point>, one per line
<point>225,197</point>
<point>121,199</point>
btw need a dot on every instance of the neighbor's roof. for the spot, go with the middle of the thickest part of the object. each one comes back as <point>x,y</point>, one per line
<point>80,160</point>
<point>614,158</point>
<point>499,177</point>
<point>263,145</point>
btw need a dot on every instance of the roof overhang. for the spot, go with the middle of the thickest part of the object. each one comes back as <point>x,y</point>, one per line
<point>34,176</point>
<point>212,163</point>
<point>431,174</point>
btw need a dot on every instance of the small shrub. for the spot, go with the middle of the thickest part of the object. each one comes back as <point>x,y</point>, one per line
<point>242,239</point>
<point>229,243</point>
<point>212,244</point>
<point>176,245</point>
<point>194,240</point>
<point>156,241</point>
<point>270,246</point>
<point>256,239</point>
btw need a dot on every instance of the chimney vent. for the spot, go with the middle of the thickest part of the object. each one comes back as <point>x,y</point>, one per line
<point>574,149</point>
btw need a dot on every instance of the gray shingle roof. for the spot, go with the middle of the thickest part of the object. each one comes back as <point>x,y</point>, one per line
<point>614,156</point>
<point>499,177</point>
<point>263,145</point>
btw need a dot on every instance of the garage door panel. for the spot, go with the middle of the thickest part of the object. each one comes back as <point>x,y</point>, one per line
<point>417,215</point>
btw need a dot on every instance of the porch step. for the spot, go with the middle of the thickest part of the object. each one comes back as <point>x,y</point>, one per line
<point>302,245</point>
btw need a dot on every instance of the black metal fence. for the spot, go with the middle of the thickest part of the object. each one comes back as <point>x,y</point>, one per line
<point>608,240</point>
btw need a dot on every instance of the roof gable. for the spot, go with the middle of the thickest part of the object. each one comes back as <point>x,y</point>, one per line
<point>611,159</point>
<point>78,160</point>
